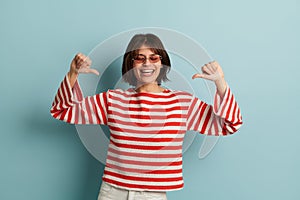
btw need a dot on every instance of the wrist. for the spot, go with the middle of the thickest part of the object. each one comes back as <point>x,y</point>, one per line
<point>221,86</point>
<point>72,74</point>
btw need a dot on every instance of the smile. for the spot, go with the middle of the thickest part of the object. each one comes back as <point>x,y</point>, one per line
<point>147,72</point>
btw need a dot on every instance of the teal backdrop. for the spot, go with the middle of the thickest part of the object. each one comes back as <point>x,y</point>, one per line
<point>256,42</point>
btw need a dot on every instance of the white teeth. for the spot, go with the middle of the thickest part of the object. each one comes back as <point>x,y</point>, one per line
<point>147,70</point>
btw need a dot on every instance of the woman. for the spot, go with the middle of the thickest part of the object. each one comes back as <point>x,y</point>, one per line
<point>147,122</point>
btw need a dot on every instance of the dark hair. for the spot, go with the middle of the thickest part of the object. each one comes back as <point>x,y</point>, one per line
<point>155,45</point>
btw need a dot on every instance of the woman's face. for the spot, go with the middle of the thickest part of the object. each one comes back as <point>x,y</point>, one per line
<point>146,66</point>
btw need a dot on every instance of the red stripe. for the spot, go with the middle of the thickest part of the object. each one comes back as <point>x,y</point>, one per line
<point>148,124</point>
<point>101,107</point>
<point>59,95</point>
<point>207,118</point>
<point>225,101</point>
<point>229,108</point>
<point>234,114</point>
<point>144,94</point>
<point>146,187</point>
<point>148,139</point>
<point>63,114</point>
<point>143,155</point>
<point>144,171</point>
<point>69,93</point>
<point>64,93</point>
<point>55,112</point>
<point>192,106</point>
<point>144,147</point>
<point>145,179</point>
<point>143,109</point>
<point>143,101</point>
<point>70,115</point>
<point>114,128</point>
<point>199,115</point>
<point>138,116</point>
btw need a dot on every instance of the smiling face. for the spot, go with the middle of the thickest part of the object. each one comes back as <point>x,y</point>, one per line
<point>145,61</point>
<point>146,66</point>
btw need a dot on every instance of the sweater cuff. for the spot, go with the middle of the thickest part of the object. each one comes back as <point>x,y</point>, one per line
<point>76,94</point>
<point>222,105</point>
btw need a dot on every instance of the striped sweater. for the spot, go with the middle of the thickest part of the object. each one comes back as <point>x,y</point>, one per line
<point>146,130</point>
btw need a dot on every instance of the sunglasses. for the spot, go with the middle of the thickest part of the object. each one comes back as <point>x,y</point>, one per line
<point>140,58</point>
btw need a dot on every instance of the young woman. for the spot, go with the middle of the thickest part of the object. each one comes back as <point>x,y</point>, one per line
<point>147,122</point>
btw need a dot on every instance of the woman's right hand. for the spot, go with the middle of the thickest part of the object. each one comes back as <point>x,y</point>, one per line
<point>81,64</point>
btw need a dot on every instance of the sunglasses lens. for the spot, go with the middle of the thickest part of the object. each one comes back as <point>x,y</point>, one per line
<point>154,59</point>
<point>142,59</point>
<point>139,59</point>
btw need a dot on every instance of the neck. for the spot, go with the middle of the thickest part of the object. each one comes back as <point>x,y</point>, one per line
<point>150,87</point>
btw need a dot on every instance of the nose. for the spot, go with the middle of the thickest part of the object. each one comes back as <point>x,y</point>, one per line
<point>147,61</point>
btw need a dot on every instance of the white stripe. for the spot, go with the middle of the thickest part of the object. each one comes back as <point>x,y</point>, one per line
<point>73,115</point>
<point>79,114</point>
<point>229,129</point>
<point>167,97</point>
<point>224,104</point>
<point>101,97</point>
<point>145,175</point>
<point>99,112</point>
<point>144,151</point>
<point>162,114</point>
<point>145,159</point>
<point>164,144</point>
<point>210,125</point>
<point>144,182</point>
<point>148,128</point>
<point>91,111</point>
<point>196,112</point>
<point>148,168</point>
<point>137,120</point>
<point>63,105</point>
<point>65,91</point>
<point>150,135</point>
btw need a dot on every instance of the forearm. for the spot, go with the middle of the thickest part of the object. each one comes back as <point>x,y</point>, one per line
<point>221,86</point>
<point>72,78</point>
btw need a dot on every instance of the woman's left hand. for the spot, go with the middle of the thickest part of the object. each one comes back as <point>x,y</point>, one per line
<point>211,71</point>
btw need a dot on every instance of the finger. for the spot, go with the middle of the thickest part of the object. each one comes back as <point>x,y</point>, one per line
<point>199,76</point>
<point>211,68</point>
<point>88,71</point>
<point>94,71</point>
<point>214,65</point>
<point>207,69</point>
<point>88,61</point>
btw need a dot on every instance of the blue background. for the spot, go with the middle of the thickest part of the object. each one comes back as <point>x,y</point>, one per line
<point>256,42</point>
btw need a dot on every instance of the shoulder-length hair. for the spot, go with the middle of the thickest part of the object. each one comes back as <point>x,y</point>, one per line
<point>154,43</point>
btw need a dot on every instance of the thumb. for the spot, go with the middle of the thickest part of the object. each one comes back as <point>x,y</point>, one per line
<point>94,71</point>
<point>198,76</point>
<point>88,71</point>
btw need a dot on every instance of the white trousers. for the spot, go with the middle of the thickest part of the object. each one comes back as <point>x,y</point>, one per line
<point>109,192</point>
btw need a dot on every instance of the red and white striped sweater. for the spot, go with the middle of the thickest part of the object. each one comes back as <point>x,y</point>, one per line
<point>146,130</point>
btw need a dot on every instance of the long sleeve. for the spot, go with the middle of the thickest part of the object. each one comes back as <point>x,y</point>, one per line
<point>70,106</point>
<point>222,118</point>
